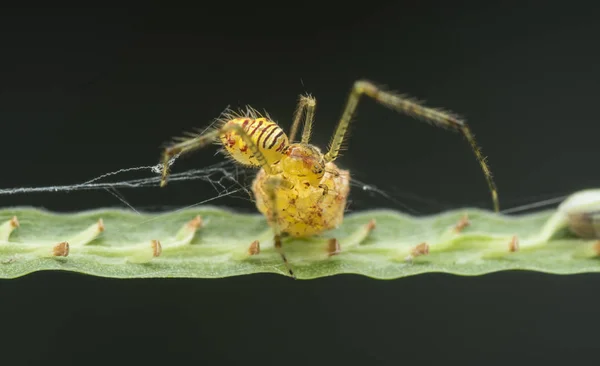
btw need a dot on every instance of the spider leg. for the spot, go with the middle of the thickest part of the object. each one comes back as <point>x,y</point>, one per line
<point>272,185</point>
<point>306,105</point>
<point>188,145</point>
<point>410,107</point>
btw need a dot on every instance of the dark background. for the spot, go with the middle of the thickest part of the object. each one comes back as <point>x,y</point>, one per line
<point>85,92</point>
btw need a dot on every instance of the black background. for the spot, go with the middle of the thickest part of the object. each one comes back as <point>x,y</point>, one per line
<point>88,91</point>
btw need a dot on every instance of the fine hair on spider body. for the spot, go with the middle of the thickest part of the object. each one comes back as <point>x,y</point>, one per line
<point>298,188</point>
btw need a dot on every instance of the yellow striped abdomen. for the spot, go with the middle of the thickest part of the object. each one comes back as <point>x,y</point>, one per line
<point>266,134</point>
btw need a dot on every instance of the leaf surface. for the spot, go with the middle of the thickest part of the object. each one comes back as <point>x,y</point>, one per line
<point>209,242</point>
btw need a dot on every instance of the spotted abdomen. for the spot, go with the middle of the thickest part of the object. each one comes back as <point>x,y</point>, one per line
<point>268,137</point>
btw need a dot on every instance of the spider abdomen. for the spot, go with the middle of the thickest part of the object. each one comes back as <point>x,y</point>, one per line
<point>268,137</point>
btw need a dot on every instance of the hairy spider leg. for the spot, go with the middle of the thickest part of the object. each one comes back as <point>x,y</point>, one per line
<point>191,144</point>
<point>306,107</point>
<point>410,107</point>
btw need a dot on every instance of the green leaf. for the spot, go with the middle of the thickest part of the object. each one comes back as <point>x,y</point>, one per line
<point>209,242</point>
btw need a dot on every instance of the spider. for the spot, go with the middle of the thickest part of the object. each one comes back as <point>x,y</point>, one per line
<point>299,189</point>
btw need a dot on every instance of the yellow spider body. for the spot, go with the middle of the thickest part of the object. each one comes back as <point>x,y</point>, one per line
<point>304,206</point>
<point>300,190</point>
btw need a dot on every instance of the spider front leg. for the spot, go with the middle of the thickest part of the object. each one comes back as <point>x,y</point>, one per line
<point>183,147</point>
